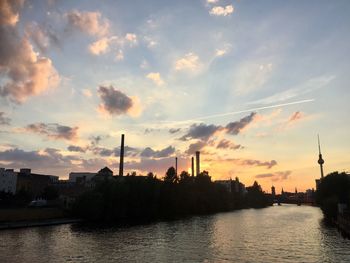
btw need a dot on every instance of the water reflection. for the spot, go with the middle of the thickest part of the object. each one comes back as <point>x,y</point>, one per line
<point>275,234</point>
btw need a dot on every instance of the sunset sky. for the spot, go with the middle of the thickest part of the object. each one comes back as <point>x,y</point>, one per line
<point>248,83</point>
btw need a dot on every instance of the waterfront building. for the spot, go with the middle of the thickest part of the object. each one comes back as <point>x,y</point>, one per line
<point>80,177</point>
<point>8,180</point>
<point>273,191</point>
<point>34,183</point>
<point>233,186</point>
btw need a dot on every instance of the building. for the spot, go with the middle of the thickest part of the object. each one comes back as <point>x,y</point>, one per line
<point>105,173</point>
<point>273,191</point>
<point>81,177</point>
<point>226,183</point>
<point>233,186</point>
<point>8,180</point>
<point>33,183</point>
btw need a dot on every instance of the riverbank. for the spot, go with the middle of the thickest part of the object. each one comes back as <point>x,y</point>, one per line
<point>47,222</point>
<point>343,225</point>
<point>30,217</point>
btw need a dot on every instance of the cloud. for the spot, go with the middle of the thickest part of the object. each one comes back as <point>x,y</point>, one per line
<point>74,148</point>
<point>42,36</point>
<point>53,130</point>
<point>115,102</point>
<point>204,132</point>
<point>174,130</point>
<point>150,153</point>
<point>3,119</point>
<point>189,62</point>
<point>277,176</point>
<point>197,146</point>
<point>25,72</point>
<point>156,78</point>
<point>91,23</point>
<point>95,140</point>
<point>49,159</point>
<point>9,10</point>
<point>222,10</point>
<point>158,166</point>
<point>100,46</point>
<point>212,1</point>
<point>102,151</point>
<point>150,130</point>
<point>114,44</point>
<point>131,39</point>
<point>87,93</point>
<point>296,116</point>
<point>226,144</point>
<point>250,162</point>
<point>105,152</point>
<point>200,131</point>
<point>293,119</point>
<point>236,127</point>
<point>45,159</point>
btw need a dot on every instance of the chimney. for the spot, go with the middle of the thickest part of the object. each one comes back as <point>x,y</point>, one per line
<point>192,166</point>
<point>121,162</point>
<point>176,166</point>
<point>197,163</point>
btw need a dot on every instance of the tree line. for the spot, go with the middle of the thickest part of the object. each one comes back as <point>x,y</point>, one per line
<point>149,198</point>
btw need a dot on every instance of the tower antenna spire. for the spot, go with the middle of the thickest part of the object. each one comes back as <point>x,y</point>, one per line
<point>319,145</point>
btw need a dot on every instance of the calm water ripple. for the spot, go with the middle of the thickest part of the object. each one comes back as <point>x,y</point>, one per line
<point>276,234</point>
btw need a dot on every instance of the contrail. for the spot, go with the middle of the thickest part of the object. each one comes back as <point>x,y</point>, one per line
<point>236,112</point>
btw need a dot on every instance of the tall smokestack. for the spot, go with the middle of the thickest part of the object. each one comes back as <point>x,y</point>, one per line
<point>121,162</point>
<point>176,166</point>
<point>197,163</point>
<point>192,166</point>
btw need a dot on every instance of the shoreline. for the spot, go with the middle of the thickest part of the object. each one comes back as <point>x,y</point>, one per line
<point>36,223</point>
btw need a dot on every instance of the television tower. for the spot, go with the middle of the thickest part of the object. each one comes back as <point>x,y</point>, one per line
<point>320,159</point>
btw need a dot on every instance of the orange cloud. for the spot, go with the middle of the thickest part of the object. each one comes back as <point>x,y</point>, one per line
<point>9,10</point>
<point>296,116</point>
<point>27,73</point>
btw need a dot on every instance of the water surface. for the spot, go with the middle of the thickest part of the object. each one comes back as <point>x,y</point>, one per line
<point>276,234</point>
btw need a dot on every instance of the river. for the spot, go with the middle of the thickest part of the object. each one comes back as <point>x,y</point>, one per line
<point>285,233</point>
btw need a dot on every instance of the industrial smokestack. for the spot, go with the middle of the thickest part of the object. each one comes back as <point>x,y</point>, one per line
<point>121,162</point>
<point>197,163</point>
<point>176,166</point>
<point>192,166</point>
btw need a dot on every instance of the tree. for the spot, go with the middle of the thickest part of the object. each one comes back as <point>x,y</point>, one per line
<point>184,177</point>
<point>333,189</point>
<point>170,175</point>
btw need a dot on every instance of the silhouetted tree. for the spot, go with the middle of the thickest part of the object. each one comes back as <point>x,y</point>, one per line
<point>333,189</point>
<point>170,175</point>
<point>185,177</point>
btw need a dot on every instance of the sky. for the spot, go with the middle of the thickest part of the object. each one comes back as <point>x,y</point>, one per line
<point>250,84</point>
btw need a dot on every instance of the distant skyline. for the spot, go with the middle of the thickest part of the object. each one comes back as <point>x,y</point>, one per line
<point>249,84</point>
